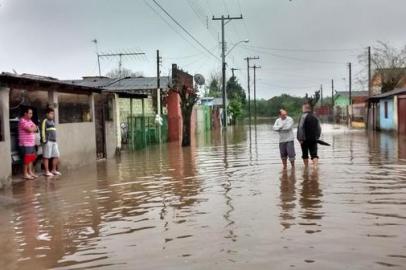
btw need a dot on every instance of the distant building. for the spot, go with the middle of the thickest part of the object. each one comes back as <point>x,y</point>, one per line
<point>388,111</point>
<point>342,108</point>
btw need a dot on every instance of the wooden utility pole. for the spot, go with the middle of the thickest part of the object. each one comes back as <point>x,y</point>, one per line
<point>248,59</point>
<point>234,69</point>
<point>224,20</point>
<point>255,67</point>
<point>332,94</point>
<point>369,72</point>
<point>350,93</point>
<point>321,95</point>
<point>158,82</point>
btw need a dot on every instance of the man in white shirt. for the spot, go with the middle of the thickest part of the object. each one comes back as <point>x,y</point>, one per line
<point>284,126</point>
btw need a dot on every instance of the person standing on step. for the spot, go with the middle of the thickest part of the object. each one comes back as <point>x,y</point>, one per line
<point>49,144</point>
<point>26,142</point>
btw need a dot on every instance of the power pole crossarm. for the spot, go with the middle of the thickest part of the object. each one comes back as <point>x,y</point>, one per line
<point>224,20</point>
<point>248,59</point>
<point>255,67</point>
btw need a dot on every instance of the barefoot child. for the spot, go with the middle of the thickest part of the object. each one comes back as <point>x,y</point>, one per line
<point>50,146</point>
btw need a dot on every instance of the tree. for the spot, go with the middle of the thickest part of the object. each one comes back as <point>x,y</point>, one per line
<point>271,107</point>
<point>188,99</point>
<point>214,87</point>
<point>388,65</point>
<point>235,90</point>
<point>125,72</point>
<point>313,99</point>
<point>236,99</point>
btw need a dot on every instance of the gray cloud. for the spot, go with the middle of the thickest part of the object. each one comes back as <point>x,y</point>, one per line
<point>54,37</point>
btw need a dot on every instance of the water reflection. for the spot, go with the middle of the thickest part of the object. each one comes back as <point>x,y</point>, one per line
<point>209,206</point>
<point>310,200</point>
<point>288,198</point>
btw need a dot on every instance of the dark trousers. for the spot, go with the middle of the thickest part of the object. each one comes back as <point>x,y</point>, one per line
<point>309,146</point>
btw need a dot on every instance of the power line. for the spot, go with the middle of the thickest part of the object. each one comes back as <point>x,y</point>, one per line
<point>304,50</point>
<point>171,26</point>
<point>185,30</point>
<point>294,58</point>
<point>198,11</point>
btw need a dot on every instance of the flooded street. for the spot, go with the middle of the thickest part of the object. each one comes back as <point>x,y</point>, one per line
<point>224,203</point>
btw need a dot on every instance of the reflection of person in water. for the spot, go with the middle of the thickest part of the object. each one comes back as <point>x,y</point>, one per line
<point>310,197</point>
<point>288,198</point>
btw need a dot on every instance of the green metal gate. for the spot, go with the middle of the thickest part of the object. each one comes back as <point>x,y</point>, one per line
<point>143,131</point>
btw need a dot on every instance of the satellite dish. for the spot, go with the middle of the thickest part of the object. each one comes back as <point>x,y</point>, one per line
<point>199,79</point>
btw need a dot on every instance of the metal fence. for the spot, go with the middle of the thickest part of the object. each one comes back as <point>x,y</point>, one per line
<point>143,131</point>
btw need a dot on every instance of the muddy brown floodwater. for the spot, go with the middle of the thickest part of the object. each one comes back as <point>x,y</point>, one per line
<point>223,203</point>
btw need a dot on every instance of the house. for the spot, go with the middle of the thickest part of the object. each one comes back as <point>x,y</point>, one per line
<point>85,119</point>
<point>358,110</point>
<point>138,100</point>
<point>387,111</point>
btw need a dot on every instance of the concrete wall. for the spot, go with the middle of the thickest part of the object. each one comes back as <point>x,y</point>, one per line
<point>111,140</point>
<point>77,144</point>
<point>5,156</point>
<point>389,122</point>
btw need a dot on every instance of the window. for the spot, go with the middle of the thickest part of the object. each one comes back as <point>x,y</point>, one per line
<point>74,108</point>
<point>386,110</point>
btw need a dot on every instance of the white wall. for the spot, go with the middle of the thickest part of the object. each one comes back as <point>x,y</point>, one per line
<point>77,144</point>
<point>5,151</point>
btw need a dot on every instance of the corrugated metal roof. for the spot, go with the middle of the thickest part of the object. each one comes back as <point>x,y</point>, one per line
<point>7,76</point>
<point>139,85</point>
<point>394,92</point>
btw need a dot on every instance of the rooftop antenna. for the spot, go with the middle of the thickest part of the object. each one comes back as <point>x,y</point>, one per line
<point>120,55</point>
<point>98,56</point>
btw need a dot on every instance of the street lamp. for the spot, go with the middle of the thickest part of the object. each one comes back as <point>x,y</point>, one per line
<point>236,44</point>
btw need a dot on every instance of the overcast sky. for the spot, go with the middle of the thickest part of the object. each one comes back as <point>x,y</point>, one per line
<point>301,43</point>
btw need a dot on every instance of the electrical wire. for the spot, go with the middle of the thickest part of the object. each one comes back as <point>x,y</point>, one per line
<point>171,26</point>
<point>293,58</point>
<point>185,30</point>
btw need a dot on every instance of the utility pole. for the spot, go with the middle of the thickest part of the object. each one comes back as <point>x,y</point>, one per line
<point>321,95</point>
<point>255,67</point>
<point>224,20</point>
<point>369,71</point>
<point>332,94</point>
<point>234,69</point>
<point>332,101</point>
<point>158,82</point>
<point>248,59</point>
<point>350,92</point>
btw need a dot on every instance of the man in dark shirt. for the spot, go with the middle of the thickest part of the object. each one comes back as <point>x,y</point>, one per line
<point>308,132</point>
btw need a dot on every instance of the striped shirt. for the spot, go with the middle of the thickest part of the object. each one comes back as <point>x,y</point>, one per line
<point>25,137</point>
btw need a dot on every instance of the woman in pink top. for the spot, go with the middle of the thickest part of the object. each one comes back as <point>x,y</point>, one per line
<point>26,141</point>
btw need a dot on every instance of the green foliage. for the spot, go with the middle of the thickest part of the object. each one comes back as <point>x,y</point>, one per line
<point>214,88</point>
<point>270,108</point>
<point>235,90</point>
<point>236,99</point>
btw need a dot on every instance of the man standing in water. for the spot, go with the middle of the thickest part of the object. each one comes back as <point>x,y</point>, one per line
<point>284,126</point>
<point>308,132</point>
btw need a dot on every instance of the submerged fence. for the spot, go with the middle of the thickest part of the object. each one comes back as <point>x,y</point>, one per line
<point>144,131</point>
